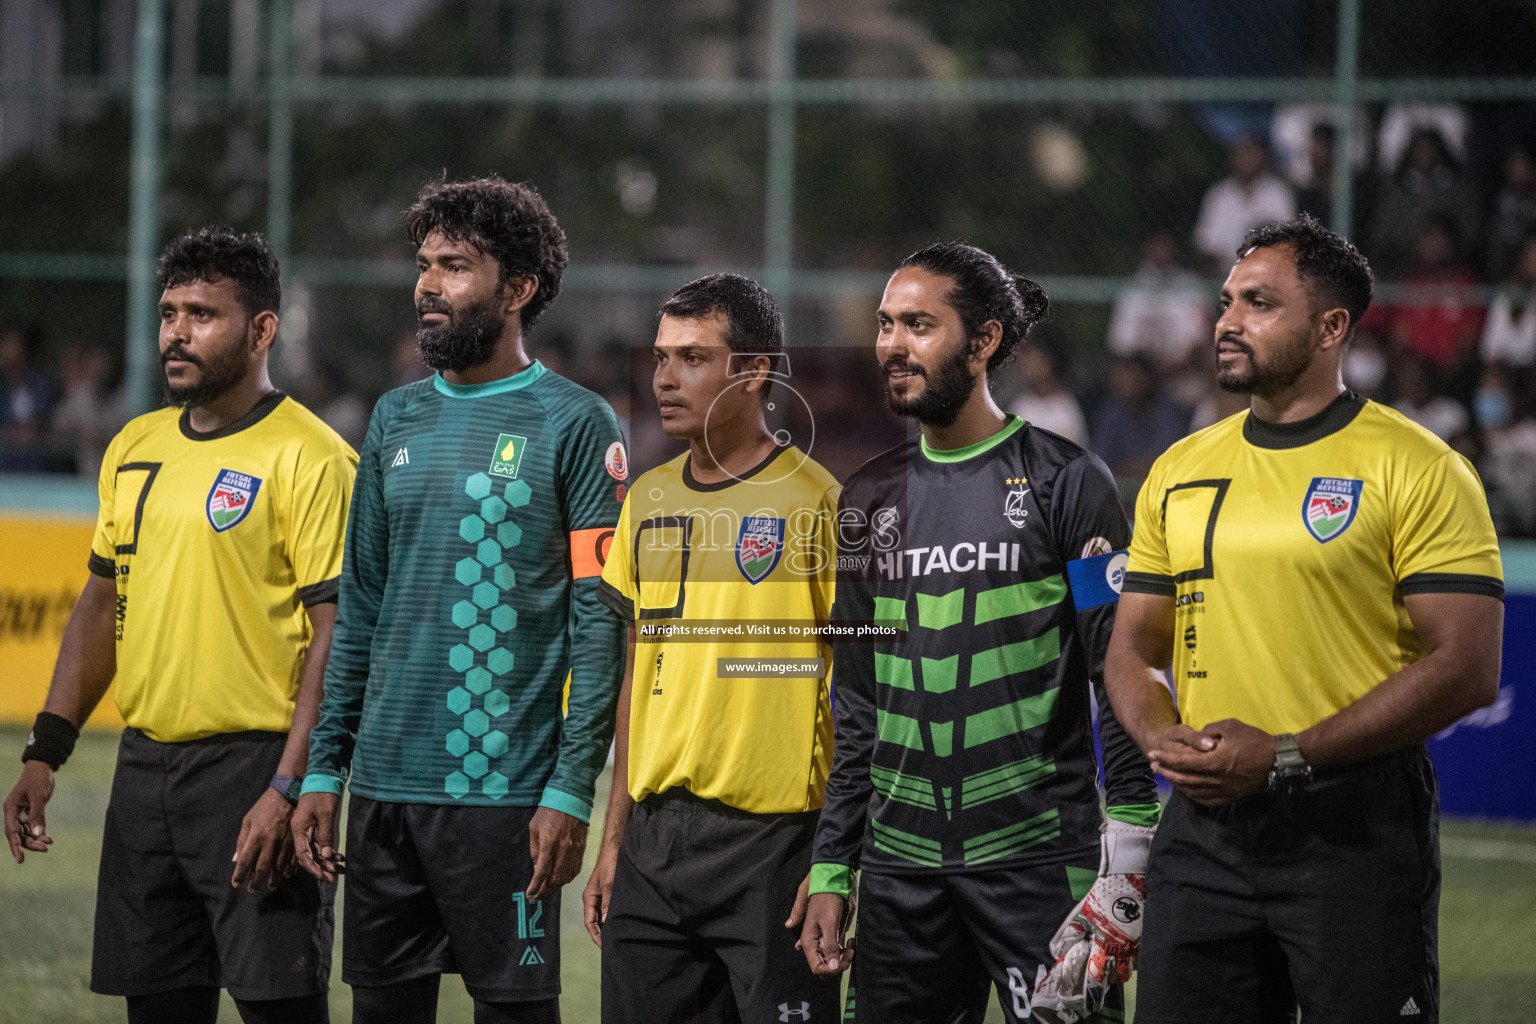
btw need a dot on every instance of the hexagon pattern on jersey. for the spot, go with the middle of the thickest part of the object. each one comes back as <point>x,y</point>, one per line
<point>483,614</point>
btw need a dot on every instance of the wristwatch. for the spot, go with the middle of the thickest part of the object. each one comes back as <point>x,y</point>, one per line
<point>1291,773</point>
<point>288,786</point>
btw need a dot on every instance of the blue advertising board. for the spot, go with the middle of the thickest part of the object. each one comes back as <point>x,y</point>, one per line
<point>1487,760</point>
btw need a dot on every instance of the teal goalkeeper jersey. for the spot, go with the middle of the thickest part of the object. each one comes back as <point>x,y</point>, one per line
<point>479,522</point>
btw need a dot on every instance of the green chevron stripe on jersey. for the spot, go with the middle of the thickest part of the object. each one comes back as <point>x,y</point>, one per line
<point>899,729</point>
<point>940,611</point>
<point>1008,659</point>
<point>891,611</point>
<point>1020,598</point>
<point>893,670</point>
<point>1006,780</point>
<point>939,674</point>
<point>907,846</point>
<point>996,723</point>
<point>490,533</point>
<point>908,789</point>
<point>1005,842</point>
<point>943,734</point>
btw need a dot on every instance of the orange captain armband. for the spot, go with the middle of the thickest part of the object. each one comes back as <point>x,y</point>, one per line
<point>589,551</point>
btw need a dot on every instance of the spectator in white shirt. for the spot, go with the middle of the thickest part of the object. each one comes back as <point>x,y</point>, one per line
<point>1509,335</point>
<point>1440,415</point>
<point>1165,310</point>
<point>1045,400</point>
<point>1250,197</point>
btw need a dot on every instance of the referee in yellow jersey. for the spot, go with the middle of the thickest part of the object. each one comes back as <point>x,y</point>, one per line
<point>1322,575</point>
<point>721,763</point>
<point>212,594</point>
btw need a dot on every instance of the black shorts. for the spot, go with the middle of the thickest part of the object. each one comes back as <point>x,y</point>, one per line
<point>929,947</point>
<point>166,915</point>
<point>435,889</point>
<point>695,927</point>
<point>1327,898</point>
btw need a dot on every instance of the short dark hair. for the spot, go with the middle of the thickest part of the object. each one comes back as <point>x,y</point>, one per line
<point>217,253</point>
<point>753,324</point>
<point>985,290</point>
<point>1327,262</point>
<point>509,222</point>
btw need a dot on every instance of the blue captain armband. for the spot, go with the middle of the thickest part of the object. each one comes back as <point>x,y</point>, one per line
<point>1096,580</point>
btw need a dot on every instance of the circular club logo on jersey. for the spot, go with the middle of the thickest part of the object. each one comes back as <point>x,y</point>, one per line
<point>616,463</point>
<point>1097,546</point>
<point>1330,506</point>
<point>231,499</point>
<point>759,546</point>
<point>1114,571</point>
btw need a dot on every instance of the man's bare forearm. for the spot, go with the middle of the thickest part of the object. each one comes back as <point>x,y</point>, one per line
<point>306,704</point>
<point>1140,646</point>
<point>1457,675</point>
<point>620,804</point>
<point>87,655</point>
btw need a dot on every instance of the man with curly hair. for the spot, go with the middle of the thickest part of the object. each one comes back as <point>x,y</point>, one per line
<point>212,596</point>
<point>487,496</point>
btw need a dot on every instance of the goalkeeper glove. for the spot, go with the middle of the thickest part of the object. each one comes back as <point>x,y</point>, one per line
<point>1096,946</point>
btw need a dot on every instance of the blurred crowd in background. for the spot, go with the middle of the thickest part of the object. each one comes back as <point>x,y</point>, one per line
<point>1452,343</point>
<point>1154,195</point>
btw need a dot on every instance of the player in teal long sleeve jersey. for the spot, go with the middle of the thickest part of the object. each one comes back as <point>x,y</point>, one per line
<point>486,499</point>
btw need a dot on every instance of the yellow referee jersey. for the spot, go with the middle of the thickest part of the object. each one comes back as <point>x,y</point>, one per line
<point>756,552</point>
<point>218,541</point>
<point>1288,549</point>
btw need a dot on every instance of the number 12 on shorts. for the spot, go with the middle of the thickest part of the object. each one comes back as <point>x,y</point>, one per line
<point>528,926</point>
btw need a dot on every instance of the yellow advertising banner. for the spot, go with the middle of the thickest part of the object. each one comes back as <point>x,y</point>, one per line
<point>44,571</point>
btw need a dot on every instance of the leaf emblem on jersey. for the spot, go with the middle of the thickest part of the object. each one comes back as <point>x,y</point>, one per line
<point>1330,506</point>
<point>759,546</point>
<point>230,499</point>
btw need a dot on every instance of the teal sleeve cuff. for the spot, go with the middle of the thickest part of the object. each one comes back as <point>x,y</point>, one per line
<point>321,783</point>
<point>556,800</point>
<point>1142,815</point>
<point>833,878</point>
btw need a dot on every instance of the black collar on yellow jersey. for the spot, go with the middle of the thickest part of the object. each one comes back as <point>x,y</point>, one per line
<point>1338,414</point>
<point>693,484</point>
<point>258,412</point>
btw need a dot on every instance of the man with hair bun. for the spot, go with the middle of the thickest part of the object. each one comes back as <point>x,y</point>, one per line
<point>212,596</point>
<point>487,496</point>
<point>964,784</point>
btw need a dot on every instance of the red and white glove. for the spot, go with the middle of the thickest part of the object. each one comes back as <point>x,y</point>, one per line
<point>1097,945</point>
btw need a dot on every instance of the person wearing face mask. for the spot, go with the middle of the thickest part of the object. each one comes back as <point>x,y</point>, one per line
<point>1502,406</point>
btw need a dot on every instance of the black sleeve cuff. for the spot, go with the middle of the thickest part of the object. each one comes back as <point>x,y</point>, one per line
<point>1452,583</point>
<point>102,566</point>
<point>620,605</point>
<point>323,592</point>
<point>1148,583</point>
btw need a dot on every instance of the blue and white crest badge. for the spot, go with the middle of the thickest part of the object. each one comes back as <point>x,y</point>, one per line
<point>759,546</point>
<point>231,499</point>
<point>1330,506</point>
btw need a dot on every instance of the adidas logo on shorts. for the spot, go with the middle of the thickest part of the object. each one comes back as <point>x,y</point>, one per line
<point>1410,1009</point>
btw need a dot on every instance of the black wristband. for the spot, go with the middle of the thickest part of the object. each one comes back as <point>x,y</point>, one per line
<point>51,741</point>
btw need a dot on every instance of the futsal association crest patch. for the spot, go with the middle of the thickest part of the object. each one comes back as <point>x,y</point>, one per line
<point>759,546</point>
<point>231,499</point>
<point>1330,506</point>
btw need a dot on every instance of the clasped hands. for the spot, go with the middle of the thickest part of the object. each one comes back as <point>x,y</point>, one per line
<point>1215,765</point>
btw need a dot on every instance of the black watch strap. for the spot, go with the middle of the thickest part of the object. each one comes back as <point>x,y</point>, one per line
<point>288,786</point>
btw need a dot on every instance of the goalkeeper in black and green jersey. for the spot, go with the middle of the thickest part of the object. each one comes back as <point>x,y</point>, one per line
<point>964,783</point>
<point>487,495</point>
